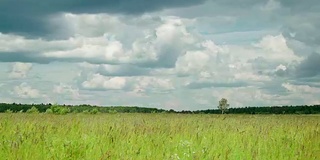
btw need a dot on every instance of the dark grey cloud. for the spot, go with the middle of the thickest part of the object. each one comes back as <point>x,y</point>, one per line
<point>310,81</point>
<point>297,6</point>
<point>30,57</point>
<point>261,64</point>
<point>28,16</point>
<point>206,84</point>
<point>304,28</point>
<point>274,87</point>
<point>307,80</point>
<point>26,57</point>
<point>301,26</point>
<point>294,6</point>
<point>281,73</point>
<point>119,69</point>
<point>309,67</point>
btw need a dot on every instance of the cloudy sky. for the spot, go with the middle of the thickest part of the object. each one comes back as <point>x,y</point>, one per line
<point>179,54</point>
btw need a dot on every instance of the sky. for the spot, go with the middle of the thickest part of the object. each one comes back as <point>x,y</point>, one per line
<point>169,54</point>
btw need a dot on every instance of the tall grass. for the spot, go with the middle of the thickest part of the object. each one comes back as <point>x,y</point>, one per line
<point>159,136</point>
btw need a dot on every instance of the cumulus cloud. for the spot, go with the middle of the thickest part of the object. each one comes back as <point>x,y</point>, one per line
<point>99,82</point>
<point>281,70</point>
<point>192,62</point>
<point>152,85</point>
<point>100,49</point>
<point>25,91</point>
<point>122,70</point>
<point>157,47</point>
<point>271,5</point>
<point>203,61</point>
<point>277,49</point>
<point>66,90</point>
<point>245,96</point>
<point>90,25</point>
<point>168,41</point>
<point>249,76</point>
<point>20,70</point>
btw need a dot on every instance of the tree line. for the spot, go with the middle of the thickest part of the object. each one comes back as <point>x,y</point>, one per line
<point>92,109</point>
<point>63,109</point>
<point>303,109</point>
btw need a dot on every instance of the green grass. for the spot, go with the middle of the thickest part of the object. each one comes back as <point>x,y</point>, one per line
<point>159,136</point>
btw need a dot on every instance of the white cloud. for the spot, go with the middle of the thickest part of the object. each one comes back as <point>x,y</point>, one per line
<point>249,76</point>
<point>271,5</point>
<point>204,61</point>
<point>281,67</point>
<point>173,30</point>
<point>20,70</point>
<point>192,62</point>
<point>66,90</point>
<point>165,43</point>
<point>99,82</point>
<point>152,85</point>
<point>249,96</point>
<point>276,49</point>
<point>16,43</point>
<point>95,50</point>
<point>90,25</point>
<point>26,91</point>
<point>301,88</point>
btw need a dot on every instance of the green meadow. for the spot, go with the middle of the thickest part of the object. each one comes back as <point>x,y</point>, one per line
<point>158,136</point>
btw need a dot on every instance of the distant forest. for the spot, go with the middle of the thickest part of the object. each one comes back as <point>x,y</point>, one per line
<point>63,109</point>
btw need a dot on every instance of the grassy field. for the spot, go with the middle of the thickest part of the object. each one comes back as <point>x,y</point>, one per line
<point>159,136</point>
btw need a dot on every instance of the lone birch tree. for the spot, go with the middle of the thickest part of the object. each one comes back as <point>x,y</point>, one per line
<point>223,105</point>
